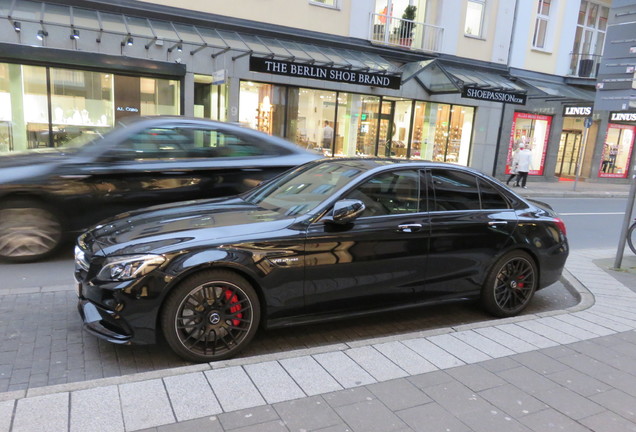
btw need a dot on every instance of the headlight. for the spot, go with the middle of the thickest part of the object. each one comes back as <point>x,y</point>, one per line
<point>128,267</point>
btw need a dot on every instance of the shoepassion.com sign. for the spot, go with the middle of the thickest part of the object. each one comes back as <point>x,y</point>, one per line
<point>494,95</point>
<point>324,73</point>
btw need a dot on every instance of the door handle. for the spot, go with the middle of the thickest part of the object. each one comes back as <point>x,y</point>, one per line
<point>252,169</point>
<point>75,176</point>
<point>495,223</point>
<point>409,228</point>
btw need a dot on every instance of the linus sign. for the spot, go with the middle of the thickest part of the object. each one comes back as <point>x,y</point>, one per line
<point>494,95</point>
<point>325,73</point>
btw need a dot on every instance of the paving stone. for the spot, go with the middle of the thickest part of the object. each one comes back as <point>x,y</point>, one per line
<point>191,396</point>
<point>491,420</point>
<point>370,416</point>
<point>578,382</point>
<point>348,396</point>
<point>405,358</point>
<point>457,398</point>
<point>500,364</point>
<point>42,413</point>
<point>375,363</point>
<point>539,362</point>
<point>310,375</point>
<point>338,428</point>
<point>234,389</point>
<point>398,394</point>
<point>96,410</point>
<point>430,379</point>
<point>432,353</point>
<point>608,421</point>
<point>207,424</point>
<point>547,331</point>
<point>551,420</point>
<point>512,400</point>
<point>584,324</point>
<point>343,369</point>
<point>145,404</point>
<point>506,339</point>
<point>617,401</point>
<point>482,343</point>
<point>463,351</point>
<point>307,414</point>
<point>6,413</point>
<point>568,402</point>
<point>526,335</point>
<point>475,377</point>
<point>431,417</point>
<point>273,382</point>
<point>248,417</point>
<point>526,379</point>
<point>273,426</point>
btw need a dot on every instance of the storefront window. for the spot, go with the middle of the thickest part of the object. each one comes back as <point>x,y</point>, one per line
<point>210,100</point>
<point>81,103</point>
<point>262,107</point>
<point>357,125</point>
<point>617,151</point>
<point>159,96</point>
<point>36,117</point>
<point>311,115</point>
<point>534,130</point>
<point>6,132</point>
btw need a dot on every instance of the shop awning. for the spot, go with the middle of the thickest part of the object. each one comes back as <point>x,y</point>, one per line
<point>438,76</point>
<point>556,91</point>
<point>187,37</point>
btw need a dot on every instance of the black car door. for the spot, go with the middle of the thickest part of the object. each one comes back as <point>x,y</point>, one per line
<point>169,163</point>
<point>471,224</point>
<point>379,260</point>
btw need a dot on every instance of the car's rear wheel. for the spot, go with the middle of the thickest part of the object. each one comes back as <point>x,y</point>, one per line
<point>510,284</point>
<point>29,231</point>
<point>210,316</point>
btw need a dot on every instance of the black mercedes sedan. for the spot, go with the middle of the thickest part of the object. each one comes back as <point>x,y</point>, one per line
<point>47,193</point>
<point>329,239</point>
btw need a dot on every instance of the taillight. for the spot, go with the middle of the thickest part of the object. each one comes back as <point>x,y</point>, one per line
<point>561,225</point>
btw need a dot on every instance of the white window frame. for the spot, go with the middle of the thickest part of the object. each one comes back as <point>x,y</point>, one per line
<point>330,4</point>
<point>542,18</point>
<point>482,4</point>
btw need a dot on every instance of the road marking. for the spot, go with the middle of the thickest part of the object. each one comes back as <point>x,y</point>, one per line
<point>591,214</point>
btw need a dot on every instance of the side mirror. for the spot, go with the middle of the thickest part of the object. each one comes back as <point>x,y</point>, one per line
<point>345,211</point>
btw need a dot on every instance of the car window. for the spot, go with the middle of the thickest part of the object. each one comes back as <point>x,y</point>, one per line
<point>188,142</point>
<point>453,190</point>
<point>395,192</point>
<point>490,197</point>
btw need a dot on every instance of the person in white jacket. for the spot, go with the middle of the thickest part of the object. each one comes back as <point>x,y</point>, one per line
<point>524,165</point>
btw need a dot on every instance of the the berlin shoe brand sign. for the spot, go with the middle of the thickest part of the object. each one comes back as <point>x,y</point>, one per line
<point>577,110</point>
<point>494,95</point>
<point>303,70</point>
<point>623,116</point>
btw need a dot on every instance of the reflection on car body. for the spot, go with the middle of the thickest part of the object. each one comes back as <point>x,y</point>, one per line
<point>330,239</point>
<point>146,161</point>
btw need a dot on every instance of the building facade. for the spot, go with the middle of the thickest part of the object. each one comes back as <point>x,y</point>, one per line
<point>455,80</point>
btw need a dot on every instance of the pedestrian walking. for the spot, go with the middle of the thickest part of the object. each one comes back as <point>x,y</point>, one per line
<point>514,163</point>
<point>524,164</point>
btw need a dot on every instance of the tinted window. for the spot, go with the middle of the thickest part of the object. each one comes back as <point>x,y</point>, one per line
<point>394,192</point>
<point>454,190</point>
<point>188,142</point>
<point>490,197</point>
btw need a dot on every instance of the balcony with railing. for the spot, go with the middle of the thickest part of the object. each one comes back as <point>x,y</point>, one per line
<point>584,65</point>
<point>404,33</point>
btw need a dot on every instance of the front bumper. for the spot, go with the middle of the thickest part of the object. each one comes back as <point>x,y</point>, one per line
<point>104,323</point>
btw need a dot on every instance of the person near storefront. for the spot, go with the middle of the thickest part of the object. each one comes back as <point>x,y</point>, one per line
<point>524,165</point>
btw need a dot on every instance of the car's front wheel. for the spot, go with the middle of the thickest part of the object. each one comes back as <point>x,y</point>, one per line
<point>510,284</point>
<point>29,231</point>
<point>210,316</point>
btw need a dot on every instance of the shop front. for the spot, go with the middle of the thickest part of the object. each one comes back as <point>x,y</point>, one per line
<point>618,146</point>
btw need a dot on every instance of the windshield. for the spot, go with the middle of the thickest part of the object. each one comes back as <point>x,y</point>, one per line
<point>300,191</point>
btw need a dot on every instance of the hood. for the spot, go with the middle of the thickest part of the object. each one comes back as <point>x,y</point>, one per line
<point>177,226</point>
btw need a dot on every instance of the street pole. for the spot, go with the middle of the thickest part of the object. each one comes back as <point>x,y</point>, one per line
<point>626,221</point>
<point>579,163</point>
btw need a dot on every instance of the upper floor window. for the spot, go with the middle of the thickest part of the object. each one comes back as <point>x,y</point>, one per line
<point>541,24</point>
<point>474,17</point>
<point>326,3</point>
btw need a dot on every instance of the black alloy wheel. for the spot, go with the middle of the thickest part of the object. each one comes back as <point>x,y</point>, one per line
<point>29,231</point>
<point>211,316</point>
<point>510,284</point>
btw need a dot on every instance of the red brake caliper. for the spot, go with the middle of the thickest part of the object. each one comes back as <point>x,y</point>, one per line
<point>233,299</point>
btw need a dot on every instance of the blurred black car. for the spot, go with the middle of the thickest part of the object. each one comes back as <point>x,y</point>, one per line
<point>329,239</point>
<point>146,161</point>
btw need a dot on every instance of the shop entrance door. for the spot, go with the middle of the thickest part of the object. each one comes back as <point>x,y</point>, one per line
<point>568,156</point>
<point>387,128</point>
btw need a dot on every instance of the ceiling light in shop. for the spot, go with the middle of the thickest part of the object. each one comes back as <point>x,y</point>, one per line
<point>42,34</point>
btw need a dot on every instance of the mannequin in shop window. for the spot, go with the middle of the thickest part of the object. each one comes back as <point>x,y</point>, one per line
<point>327,136</point>
<point>514,163</point>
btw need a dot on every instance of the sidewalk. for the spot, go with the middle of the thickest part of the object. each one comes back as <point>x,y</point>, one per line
<point>571,370</point>
<point>571,189</point>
